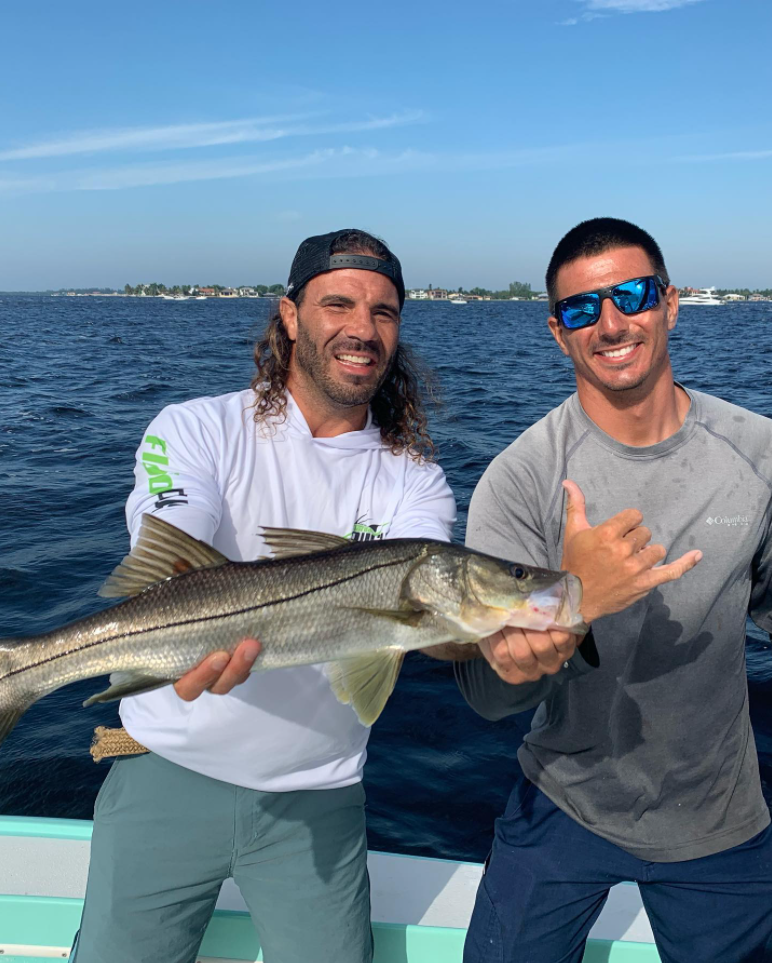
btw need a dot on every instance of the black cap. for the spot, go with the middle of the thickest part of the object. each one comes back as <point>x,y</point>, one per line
<point>314,256</point>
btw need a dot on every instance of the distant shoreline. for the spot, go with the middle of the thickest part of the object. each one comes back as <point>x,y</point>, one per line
<point>738,295</point>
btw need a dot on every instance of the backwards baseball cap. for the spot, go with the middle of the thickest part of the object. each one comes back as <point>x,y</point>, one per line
<point>314,256</point>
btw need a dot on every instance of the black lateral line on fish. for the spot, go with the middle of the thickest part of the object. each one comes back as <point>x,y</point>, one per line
<point>205,618</point>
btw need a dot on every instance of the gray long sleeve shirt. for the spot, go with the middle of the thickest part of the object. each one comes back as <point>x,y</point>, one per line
<point>653,749</point>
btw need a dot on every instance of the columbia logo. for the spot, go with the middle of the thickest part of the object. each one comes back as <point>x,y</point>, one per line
<point>731,520</point>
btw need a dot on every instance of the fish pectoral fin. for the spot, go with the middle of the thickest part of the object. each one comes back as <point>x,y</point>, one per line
<point>9,718</point>
<point>123,684</point>
<point>162,551</point>
<point>366,681</point>
<point>288,542</point>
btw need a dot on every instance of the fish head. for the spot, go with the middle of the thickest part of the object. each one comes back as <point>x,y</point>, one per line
<point>480,594</point>
<point>500,593</point>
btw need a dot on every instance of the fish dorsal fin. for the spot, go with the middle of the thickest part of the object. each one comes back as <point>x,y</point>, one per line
<point>366,681</point>
<point>286,542</point>
<point>162,551</point>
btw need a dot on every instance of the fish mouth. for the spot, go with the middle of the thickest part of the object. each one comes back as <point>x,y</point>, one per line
<point>557,606</point>
<point>568,614</point>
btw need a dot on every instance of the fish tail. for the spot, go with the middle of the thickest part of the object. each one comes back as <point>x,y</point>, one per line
<point>14,701</point>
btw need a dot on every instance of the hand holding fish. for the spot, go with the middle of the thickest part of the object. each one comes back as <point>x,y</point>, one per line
<point>522,655</point>
<point>219,672</point>
<point>616,564</point>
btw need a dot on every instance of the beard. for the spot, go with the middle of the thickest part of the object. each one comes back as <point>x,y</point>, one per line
<point>353,391</point>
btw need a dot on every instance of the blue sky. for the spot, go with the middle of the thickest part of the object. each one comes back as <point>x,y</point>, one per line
<point>194,142</point>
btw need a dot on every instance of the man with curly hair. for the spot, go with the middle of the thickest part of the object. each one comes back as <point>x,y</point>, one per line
<point>263,783</point>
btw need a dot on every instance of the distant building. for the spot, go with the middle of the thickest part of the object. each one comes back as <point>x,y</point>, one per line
<point>438,294</point>
<point>418,295</point>
<point>208,292</point>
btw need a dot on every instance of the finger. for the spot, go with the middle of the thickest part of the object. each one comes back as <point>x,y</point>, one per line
<point>194,682</point>
<point>530,651</point>
<point>674,570</point>
<point>564,642</point>
<point>502,647</point>
<point>576,517</point>
<point>511,657</point>
<point>638,538</point>
<point>623,522</point>
<point>650,556</point>
<point>238,669</point>
<point>548,658</point>
<point>509,672</point>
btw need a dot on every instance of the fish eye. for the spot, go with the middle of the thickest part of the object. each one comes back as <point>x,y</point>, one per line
<point>518,571</point>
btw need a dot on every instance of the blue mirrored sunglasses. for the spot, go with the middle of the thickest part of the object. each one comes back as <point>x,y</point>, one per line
<point>630,297</point>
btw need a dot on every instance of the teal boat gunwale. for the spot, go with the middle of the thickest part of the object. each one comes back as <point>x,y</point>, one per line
<point>53,920</point>
<point>46,828</point>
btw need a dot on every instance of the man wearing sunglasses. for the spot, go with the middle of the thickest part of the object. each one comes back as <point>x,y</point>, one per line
<point>640,764</point>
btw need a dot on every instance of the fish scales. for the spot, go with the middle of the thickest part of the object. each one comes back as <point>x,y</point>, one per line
<point>357,607</point>
<point>294,608</point>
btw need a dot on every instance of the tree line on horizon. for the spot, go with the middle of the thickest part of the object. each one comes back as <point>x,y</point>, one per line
<point>156,287</point>
<point>519,289</point>
<point>746,292</point>
<point>516,289</point>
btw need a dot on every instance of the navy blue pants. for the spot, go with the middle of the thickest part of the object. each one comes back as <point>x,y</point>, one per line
<point>548,878</point>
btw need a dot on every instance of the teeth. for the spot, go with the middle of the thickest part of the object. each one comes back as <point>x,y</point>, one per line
<point>353,359</point>
<point>618,352</point>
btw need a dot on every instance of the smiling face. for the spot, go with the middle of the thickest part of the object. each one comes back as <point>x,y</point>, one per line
<point>621,352</point>
<point>345,333</point>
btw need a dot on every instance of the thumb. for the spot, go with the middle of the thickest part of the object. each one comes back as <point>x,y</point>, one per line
<point>576,517</point>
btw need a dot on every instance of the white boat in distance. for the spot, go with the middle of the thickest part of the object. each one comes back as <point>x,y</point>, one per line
<point>457,301</point>
<point>705,296</point>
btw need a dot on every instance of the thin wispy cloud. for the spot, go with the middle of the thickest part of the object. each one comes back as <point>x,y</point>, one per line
<point>594,9</point>
<point>347,161</point>
<point>739,155</point>
<point>189,136</point>
<point>152,175</point>
<point>343,159</point>
<point>637,6</point>
<point>168,137</point>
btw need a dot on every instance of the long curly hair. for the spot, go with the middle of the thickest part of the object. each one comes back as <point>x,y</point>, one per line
<point>400,405</point>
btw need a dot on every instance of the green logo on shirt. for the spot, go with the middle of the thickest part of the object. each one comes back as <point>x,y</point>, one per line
<point>367,533</point>
<point>156,465</point>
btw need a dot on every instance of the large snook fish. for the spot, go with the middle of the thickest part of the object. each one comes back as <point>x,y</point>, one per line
<point>356,606</point>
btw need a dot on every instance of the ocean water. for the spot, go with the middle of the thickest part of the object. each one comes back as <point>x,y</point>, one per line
<point>80,378</point>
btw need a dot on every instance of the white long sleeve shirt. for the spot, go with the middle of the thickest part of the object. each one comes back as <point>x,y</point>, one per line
<point>206,467</point>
